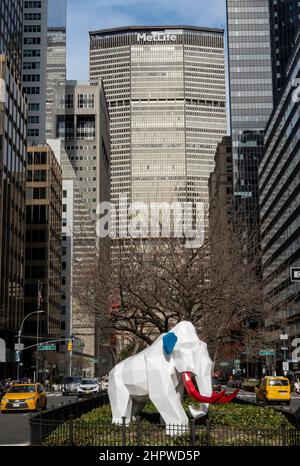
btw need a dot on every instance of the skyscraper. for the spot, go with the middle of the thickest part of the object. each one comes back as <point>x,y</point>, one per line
<point>261,37</point>
<point>284,24</point>
<point>43,38</point>
<point>165,88</point>
<point>279,173</point>
<point>43,239</point>
<point>11,16</point>
<point>13,129</point>
<point>80,119</point>
<point>251,100</point>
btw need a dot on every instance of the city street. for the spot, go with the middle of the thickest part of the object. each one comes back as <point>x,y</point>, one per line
<point>247,396</point>
<point>14,427</point>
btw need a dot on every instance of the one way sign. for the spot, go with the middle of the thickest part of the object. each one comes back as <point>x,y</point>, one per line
<point>295,274</point>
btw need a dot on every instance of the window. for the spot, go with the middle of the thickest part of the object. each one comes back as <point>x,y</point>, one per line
<point>34,107</point>
<point>64,193</point>
<point>86,101</point>
<point>33,119</point>
<point>34,4</point>
<point>32,16</point>
<point>31,77</point>
<point>32,28</point>
<point>31,53</point>
<point>32,41</point>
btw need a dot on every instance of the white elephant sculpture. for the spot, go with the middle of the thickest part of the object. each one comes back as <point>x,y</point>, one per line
<point>160,373</point>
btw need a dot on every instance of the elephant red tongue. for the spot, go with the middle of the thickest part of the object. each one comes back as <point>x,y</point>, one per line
<point>193,392</point>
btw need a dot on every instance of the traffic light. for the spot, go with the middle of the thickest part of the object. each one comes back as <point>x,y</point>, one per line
<point>70,345</point>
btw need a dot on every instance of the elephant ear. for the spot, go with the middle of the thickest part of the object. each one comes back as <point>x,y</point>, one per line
<point>169,342</point>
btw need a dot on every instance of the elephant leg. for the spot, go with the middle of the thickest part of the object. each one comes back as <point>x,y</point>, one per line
<point>120,400</point>
<point>137,407</point>
<point>170,408</point>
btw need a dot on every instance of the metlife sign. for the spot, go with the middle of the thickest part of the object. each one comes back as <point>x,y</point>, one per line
<point>156,37</point>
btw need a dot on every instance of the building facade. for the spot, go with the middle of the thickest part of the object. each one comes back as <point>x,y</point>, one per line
<point>13,126</point>
<point>251,100</point>
<point>165,88</point>
<point>44,29</point>
<point>11,22</point>
<point>56,69</point>
<point>284,24</point>
<point>81,121</point>
<point>220,190</point>
<point>279,175</point>
<point>13,140</point>
<point>43,241</point>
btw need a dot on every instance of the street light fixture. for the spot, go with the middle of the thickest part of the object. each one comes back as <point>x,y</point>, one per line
<point>20,333</point>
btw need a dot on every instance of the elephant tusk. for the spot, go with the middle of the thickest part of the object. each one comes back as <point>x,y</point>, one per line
<point>193,392</point>
<point>227,398</point>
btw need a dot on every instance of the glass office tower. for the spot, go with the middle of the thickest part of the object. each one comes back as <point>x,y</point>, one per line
<point>165,88</point>
<point>284,25</point>
<point>13,129</point>
<point>44,60</point>
<point>251,99</point>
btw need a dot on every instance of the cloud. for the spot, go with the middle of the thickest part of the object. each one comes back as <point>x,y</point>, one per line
<point>89,15</point>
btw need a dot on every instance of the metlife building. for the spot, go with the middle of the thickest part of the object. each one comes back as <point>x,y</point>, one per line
<point>165,88</point>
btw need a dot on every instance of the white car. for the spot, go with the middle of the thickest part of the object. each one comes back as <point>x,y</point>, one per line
<point>104,383</point>
<point>88,387</point>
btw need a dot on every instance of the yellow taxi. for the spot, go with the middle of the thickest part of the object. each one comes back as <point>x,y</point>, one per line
<point>274,389</point>
<point>24,397</point>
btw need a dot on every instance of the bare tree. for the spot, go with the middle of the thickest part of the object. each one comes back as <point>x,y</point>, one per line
<point>152,284</point>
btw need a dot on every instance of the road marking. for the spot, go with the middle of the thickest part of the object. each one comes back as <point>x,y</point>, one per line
<point>15,445</point>
<point>27,414</point>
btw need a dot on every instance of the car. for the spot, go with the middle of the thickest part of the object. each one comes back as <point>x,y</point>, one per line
<point>24,397</point>
<point>104,383</point>
<point>274,389</point>
<point>69,385</point>
<point>88,387</point>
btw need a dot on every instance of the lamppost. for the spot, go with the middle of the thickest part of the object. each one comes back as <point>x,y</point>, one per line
<point>19,336</point>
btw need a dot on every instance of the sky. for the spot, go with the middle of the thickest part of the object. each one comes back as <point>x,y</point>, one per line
<point>89,15</point>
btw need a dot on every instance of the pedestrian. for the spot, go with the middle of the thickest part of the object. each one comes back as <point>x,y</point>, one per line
<point>297,387</point>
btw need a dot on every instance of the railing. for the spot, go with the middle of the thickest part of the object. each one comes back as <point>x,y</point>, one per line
<point>42,424</point>
<point>79,432</point>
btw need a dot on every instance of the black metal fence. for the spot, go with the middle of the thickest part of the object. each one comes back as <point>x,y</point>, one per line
<point>78,432</point>
<point>42,424</point>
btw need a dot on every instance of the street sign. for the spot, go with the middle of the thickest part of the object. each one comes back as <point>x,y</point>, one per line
<point>285,366</point>
<point>295,274</point>
<point>224,363</point>
<point>237,361</point>
<point>19,346</point>
<point>284,336</point>
<point>47,348</point>
<point>2,350</point>
<point>267,352</point>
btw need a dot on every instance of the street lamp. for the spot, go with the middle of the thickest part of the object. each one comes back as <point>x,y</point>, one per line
<point>19,336</point>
